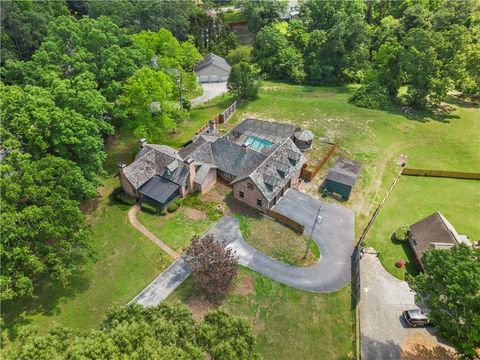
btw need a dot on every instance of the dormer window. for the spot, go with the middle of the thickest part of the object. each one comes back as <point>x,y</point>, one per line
<point>269,187</point>
<point>281,173</point>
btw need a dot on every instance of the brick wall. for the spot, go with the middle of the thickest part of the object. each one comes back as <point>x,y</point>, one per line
<point>126,185</point>
<point>250,195</point>
<point>208,181</point>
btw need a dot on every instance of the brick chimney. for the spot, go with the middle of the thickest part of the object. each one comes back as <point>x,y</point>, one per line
<point>212,126</point>
<point>142,142</point>
<point>191,173</point>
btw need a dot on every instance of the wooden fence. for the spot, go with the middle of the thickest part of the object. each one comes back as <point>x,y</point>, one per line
<point>287,221</point>
<point>441,173</point>
<point>310,174</point>
<point>221,118</point>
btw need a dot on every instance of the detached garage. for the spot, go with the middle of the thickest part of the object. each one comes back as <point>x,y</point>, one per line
<point>342,177</point>
<point>213,68</point>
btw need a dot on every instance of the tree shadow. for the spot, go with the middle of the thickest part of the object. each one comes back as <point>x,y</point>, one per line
<point>373,349</point>
<point>45,301</point>
<point>463,102</point>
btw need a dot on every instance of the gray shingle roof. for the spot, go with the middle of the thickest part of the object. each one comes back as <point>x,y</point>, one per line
<point>266,176</point>
<point>235,159</point>
<point>212,59</point>
<point>344,171</point>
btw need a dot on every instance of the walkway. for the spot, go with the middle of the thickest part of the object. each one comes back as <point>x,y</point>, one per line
<point>384,333</point>
<point>330,226</point>
<point>132,218</point>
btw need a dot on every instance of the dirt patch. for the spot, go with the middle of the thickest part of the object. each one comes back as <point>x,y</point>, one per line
<point>419,346</point>
<point>87,206</point>
<point>217,193</point>
<point>199,306</point>
<point>244,286</point>
<point>194,214</point>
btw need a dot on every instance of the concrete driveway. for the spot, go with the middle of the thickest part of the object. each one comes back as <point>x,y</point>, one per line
<point>210,91</point>
<point>383,330</point>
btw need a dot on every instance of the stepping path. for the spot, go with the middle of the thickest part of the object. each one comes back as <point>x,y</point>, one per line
<point>132,217</point>
<point>330,226</point>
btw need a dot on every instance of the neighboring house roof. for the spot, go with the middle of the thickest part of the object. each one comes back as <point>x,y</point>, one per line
<point>433,232</point>
<point>344,171</point>
<point>277,169</point>
<point>212,59</point>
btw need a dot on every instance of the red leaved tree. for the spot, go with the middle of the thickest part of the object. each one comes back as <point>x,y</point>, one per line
<point>214,266</point>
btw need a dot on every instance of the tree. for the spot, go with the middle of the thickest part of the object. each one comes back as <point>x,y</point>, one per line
<point>450,288</point>
<point>24,25</point>
<point>261,12</point>
<point>43,230</point>
<point>166,332</point>
<point>371,96</point>
<point>214,265</point>
<point>387,67</point>
<point>239,54</point>
<point>244,81</point>
<point>33,118</point>
<point>276,57</point>
<point>337,52</point>
<point>150,102</point>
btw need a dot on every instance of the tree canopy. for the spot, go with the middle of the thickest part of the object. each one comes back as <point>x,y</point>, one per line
<point>450,288</point>
<point>244,80</point>
<point>164,332</point>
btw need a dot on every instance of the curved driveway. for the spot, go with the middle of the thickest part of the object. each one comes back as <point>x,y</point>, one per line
<point>330,226</point>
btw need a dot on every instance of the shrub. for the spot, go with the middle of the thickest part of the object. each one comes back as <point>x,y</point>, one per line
<point>123,197</point>
<point>172,208</point>
<point>163,212</point>
<point>402,232</point>
<point>370,96</point>
<point>178,202</point>
<point>150,208</point>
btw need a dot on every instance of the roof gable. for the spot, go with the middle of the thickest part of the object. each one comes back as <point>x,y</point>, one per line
<point>215,60</point>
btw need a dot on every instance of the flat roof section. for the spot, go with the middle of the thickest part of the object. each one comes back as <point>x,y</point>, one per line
<point>159,189</point>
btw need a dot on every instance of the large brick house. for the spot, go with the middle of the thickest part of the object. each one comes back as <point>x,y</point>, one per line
<point>259,159</point>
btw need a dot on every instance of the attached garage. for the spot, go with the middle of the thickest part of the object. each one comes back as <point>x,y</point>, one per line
<point>212,69</point>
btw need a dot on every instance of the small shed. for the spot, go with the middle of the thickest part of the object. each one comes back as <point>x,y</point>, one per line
<point>342,177</point>
<point>303,139</point>
<point>212,68</point>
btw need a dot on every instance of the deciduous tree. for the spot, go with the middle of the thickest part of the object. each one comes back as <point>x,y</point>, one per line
<point>244,80</point>
<point>214,265</point>
<point>450,288</point>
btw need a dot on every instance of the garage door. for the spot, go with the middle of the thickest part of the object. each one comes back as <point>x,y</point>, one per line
<point>204,79</point>
<point>214,78</point>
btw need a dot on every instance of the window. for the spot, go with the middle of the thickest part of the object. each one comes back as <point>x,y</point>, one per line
<point>415,242</point>
<point>241,194</point>
<point>281,173</point>
<point>259,202</point>
<point>249,186</point>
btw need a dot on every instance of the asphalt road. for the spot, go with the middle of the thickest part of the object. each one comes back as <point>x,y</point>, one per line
<point>210,91</point>
<point>383,299</point>
<point>330,226</point>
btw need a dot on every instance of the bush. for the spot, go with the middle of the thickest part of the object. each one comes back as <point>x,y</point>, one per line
<point>123,197</point>
<point>172,208</point>
<point>178,202</point>
<point>370,96</point>
<point>402,232</point>
<point>163,212</point>
<point>150,208</point>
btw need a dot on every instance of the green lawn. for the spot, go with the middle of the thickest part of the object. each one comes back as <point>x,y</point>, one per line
<point>290,324</point>
<point>177,229</point>
<point>126,263</point>
<point>233,16</point>
<point>414,198</point>
<point>279,241</point>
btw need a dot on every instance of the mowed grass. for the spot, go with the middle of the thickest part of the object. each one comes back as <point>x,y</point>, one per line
<point>126,262</point>
<point>279,241</point>
<point>375,138</point>
<point>415,198</point>
<point>289,323</point>
<point>176,230</point>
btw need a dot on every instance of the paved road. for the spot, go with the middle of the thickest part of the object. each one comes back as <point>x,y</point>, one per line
<point>164,284</point>
<point>210,91</point>
<point>383,299</point>
<point>333,232</point>
<point>334,235</point>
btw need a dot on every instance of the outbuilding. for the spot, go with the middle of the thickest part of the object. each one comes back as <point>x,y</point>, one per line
<point>303,139</point>
<point>212,68</point>
<point>342,177</point>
